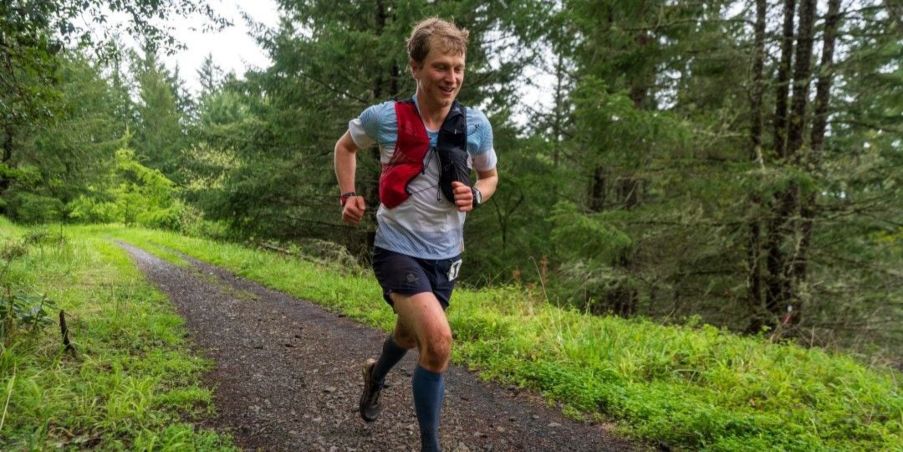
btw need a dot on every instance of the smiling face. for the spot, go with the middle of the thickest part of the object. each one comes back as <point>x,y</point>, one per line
<point>439,77</point>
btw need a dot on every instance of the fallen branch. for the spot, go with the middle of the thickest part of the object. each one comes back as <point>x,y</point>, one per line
<point>65,332</point>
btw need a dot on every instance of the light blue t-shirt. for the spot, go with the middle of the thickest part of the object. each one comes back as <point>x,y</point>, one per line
<point>426,225</point>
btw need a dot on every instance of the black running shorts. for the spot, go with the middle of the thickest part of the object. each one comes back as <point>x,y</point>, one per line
<point>408,275</point>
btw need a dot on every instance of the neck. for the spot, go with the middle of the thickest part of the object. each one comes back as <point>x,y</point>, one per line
<point>432,114</point>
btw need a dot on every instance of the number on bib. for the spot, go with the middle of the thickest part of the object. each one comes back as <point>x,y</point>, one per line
<point>454,269</point>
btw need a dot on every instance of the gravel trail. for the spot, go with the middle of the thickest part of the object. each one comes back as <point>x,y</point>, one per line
<point>288,377</point>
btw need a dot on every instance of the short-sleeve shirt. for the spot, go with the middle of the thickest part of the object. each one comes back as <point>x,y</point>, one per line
<point>426,225</point>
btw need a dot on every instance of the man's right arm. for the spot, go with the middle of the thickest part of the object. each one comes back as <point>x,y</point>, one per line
<point>345,166</point>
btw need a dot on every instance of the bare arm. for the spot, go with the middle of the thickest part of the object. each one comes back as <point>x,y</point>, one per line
<point>345,167</point>
<point>487,181</point>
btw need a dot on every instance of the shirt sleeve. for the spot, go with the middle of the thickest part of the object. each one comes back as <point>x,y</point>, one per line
<point>479,141</point>
<point>363,128</point>
<point>376,124</point>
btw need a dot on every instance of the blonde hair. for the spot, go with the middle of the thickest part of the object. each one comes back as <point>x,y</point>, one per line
<point>446,34</point>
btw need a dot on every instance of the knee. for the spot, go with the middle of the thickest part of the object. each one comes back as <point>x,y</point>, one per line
<point>436,351</point>
<point>404,339</point>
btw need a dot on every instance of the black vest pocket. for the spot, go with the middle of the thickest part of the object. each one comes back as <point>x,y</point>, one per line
<point>452,151</point>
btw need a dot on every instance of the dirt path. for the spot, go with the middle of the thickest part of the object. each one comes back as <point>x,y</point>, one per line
<point>287,377</point>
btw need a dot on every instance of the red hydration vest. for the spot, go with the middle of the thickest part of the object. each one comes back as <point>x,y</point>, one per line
<point>412,144</point>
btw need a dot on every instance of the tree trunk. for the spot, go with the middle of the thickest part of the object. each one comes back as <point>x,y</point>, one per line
<point>825,77</point>
<point>558,111</point>
<point>624,297</point>
<point>754,243</point>
<point>629,189</point>
<point>5,182</point>
<point>802,74</point>
<point>783,83</point>
<point>817,137</point>
<point>597,190</point>
<point>758,89</point>
<point>774,263</point>
<point>786,244</point>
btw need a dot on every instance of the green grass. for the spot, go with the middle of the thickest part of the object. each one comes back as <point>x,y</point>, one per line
<point>692,387</point>
<point>131,385</point>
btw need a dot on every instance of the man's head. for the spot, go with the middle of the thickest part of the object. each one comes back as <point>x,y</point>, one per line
<point>436,49</point>
<point>445,36</point>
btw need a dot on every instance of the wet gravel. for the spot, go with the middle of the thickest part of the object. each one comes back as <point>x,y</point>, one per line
<point>288,377</point>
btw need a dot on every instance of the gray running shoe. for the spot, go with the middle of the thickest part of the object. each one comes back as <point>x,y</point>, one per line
<point>369,405</point>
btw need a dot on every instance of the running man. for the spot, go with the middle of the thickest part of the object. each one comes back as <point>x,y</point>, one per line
<point>428,146</point>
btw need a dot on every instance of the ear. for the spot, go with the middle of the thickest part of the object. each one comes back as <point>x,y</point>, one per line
<point>414,66</point>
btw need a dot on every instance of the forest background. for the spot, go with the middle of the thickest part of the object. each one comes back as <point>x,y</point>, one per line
<point>722,162</point>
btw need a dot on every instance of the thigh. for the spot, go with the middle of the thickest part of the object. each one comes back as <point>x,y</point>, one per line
<point>422,315</point>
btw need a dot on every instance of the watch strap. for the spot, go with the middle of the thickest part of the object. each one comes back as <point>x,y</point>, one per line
<point>344,197</point>
<point>477,197</point>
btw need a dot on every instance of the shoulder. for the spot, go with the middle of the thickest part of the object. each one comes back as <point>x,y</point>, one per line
<point>379,122</point>
<point>479,131</point>
<point>476,117</point>
<point>379,112</point>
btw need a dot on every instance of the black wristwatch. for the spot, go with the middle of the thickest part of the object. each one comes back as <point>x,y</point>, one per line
<point>477,197</point>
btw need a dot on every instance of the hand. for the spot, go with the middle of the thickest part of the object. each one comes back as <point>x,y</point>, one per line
<point>354,210</point>
<point>463,196</point>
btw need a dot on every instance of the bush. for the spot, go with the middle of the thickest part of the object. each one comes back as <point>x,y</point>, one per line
<point>31,208</point>
<point>91,210</point>
<point>132,194</point>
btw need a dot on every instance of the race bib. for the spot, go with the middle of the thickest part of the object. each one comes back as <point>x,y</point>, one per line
<point>454,269</point>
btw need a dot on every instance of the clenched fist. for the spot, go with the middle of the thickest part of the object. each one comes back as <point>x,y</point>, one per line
<point>463,196</point>
<point>354,210</point>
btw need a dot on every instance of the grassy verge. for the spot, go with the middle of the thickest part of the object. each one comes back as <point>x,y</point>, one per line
<point>689,387</point>
<point>132,383</point>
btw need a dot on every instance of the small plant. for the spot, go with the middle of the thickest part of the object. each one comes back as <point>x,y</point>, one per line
<point>20,310</point>
<point>11,250</point>
<point>43,236</point>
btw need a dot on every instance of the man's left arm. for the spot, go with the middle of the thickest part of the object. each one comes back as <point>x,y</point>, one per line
<point>486,183</point>
<point>479,142</point>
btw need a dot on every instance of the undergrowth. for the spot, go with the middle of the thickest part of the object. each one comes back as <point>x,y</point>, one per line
<point>693,387</point>
<point>130,382</point>
<point>690,387</point>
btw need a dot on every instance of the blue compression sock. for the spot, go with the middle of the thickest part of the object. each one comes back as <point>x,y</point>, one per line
<point>429,390</point>
<point>392,353</point>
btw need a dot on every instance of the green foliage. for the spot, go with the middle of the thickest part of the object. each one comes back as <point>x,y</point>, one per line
<point>641,187</point>
<point>579,236</point>
<point>695,387</point>
<point>88,210</point>
<point>20,310</point>
<point>49,96</point>
<point>132,385</point>
<point>34,208</point>
<point>159,139</point>
<point>133,194</point>
<point>143,195</point>
<point>279,126</point>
